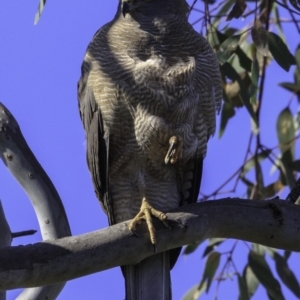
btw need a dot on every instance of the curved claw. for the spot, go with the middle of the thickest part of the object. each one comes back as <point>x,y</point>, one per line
<point>175,150</point>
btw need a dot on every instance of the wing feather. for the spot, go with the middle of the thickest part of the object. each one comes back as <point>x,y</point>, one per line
<point>97,144</point>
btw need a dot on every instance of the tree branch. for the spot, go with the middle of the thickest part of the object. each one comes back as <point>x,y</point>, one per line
<point>5,239</point>
<point>273,223</point>
<point>46,202</point>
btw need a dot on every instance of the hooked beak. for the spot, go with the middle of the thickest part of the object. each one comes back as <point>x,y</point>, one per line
<point>125,8</point>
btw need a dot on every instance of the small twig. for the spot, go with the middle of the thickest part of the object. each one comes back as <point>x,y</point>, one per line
<point>23,233</point>
<point>294,195</point>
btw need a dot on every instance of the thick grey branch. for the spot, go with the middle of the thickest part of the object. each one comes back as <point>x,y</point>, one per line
<point>5,238</point>
<point>50,212</point>
<point>274,223</point>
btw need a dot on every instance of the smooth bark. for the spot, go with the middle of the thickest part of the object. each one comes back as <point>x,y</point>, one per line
<point>274,223</point>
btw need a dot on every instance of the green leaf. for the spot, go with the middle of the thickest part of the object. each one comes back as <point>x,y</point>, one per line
<point>277,21</point>
<point>211,266</point>
<point>280,51</point>
<point>244,60</point>
<point>286,274</point>
<point>223,10</point>
<point>213,244</point>
<point>297,57</point>
<point>251,281</point>
<point>243,289</point>
<point>231,73</point>
<point>237,10</point>
<point>251,162</point>
<point>227,113</point>
<point>260,38</point>
<point>273,188</point>
<point>194,293</point>
<point>41,7</point>
<point>254,78</point>
<point>221,36</point>
<point>290,86</point>
<point>259,249</point>
<point>286,133</point>
<point>285,129</point>
<point>287,254</point>
<point>287,160</point>
<point>296,165</point>
<point>190,248</point>
<point>262,271</point>
<point>228,48</point>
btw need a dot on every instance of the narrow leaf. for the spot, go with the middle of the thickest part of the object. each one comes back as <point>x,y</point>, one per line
<point>41,6</point>
<point>211,266</point>
<point>286,133</point>
<point>254,78</point>
<point>237,10</point>
<point>285,129</point>
<point>251,162</point>
<point>231,73</point>
<point>262,271</point>
<point>213,244</point>
<point>296,165</point>
<point>280,51</point>
<point>273,188</point>
<point>194,293</point>
<point>223,10</point>
<point>243,289</point>
<point>297,57</point>
<point>290,86</point>
<point>190,248</point>
<point>260,37</point>
<point>286,274</point>
<point>244,60</point>
<point>227,113</point>
<point>251,281</point>
<point>287,254</point>
<point>227,48</point>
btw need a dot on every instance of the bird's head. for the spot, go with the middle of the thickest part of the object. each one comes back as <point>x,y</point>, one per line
<point>153,6</point>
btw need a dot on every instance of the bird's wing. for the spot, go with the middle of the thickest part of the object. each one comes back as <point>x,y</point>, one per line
<point>97,144</point>
<point>207,81</point>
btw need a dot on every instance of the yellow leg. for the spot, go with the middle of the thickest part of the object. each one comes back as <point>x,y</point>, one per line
<point>145,214</point>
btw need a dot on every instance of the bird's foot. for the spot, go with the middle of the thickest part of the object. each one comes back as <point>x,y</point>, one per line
<point>175,150</point>
<point>145,214</point>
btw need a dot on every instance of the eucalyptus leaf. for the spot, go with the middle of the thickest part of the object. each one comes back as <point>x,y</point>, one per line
<point>190,248</point>
<point>286,274</point>
<point>285,129</point>
<point>211,266</point>
<point>263,272</point>
<point>290,86</point>
<point>213,244</point>
<point>244,60</point>
<point>251,162</point>
<point>237,10</point>
<point>228,48</point>
<point>280,51</point>
<point>231,73</point>
<point>41,7</point>
<point>243,295</point>
<point>251,281</point>
<point>194,293</point>
<point>227,113</point>
<point>260,37</point>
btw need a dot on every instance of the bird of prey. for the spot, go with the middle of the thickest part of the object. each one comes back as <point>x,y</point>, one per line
<point>148,95</point>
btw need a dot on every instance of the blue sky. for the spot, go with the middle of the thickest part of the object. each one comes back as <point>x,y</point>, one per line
<point>40,67</point>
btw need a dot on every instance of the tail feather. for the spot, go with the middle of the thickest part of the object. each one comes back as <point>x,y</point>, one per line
<point>150,279</point>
